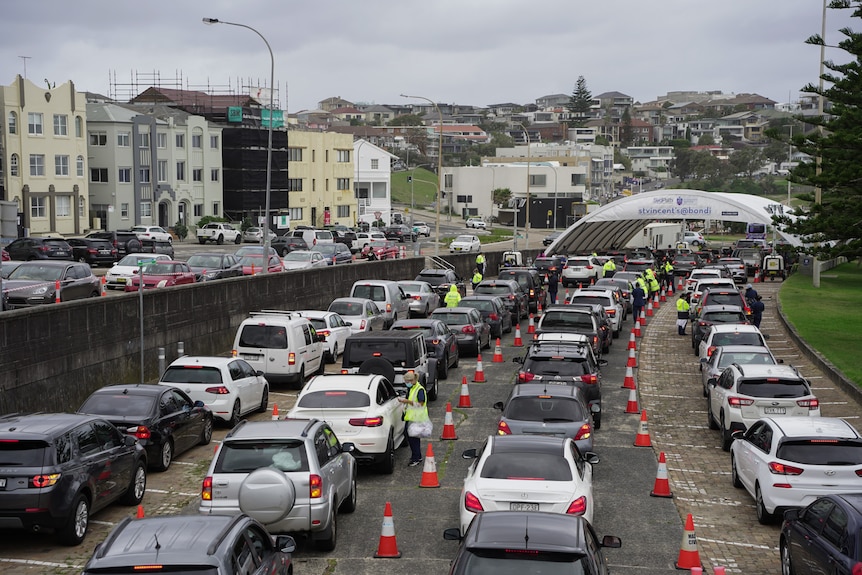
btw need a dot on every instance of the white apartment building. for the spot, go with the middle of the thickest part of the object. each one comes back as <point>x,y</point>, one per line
<point>652,160</point>
<point>372,181</point>
<point>43,156</point>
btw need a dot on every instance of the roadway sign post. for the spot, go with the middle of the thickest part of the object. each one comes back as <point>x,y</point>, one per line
<point>141,265</point>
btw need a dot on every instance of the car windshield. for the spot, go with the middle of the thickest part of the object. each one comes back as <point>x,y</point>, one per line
<point>526,466</point>
<point>24,453</point>
<point>246,456</point>
<point>347,308</point>
<point>253,260</point>
<point>158,269</point>
<point>773,387</point>
<point>37,272</point>
<point>546,409</point>
<point>119,404</point>
<point>821,451</point>
<point>562,366</point>
<point>297,257</point>
<point>132,260</point>
<point>334,399</point>
<point>191,374</point>
<point>205,261</point>
<point>464,239</point>
<point>554,318</point>
<point>325,249</point>
<point>517,562</point>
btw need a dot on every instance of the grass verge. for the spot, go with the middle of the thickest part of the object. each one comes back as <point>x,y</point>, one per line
<point>829,318</point>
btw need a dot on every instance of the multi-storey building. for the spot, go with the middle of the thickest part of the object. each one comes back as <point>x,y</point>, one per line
<point>321,179</point>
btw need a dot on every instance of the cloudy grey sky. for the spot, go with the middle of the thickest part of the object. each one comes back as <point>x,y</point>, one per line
<point>477,52</point>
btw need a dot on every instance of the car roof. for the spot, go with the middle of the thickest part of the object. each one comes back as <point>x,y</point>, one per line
<point>418,322</point>
<point>286,428</point>
<point>742,349</point>
<point>545,531</point>
<point>734,327</point>
<point>350,300</point>
<point>761,371</point>
<point>146,389</point>
<point>804,426</point>
<point>532,443</point>
<point>358,382</point>
<point>554,390</point>
<point>565,350</point>
<point>42,424</point>
<point>717,307</point>
<point>573,338</point>
<point>202,360</point>
<point>446,310</point>
<point>398,334</point>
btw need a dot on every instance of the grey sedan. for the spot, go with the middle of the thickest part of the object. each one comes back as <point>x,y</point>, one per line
<point>493,311</point>
<point>473,333</point>
<point>423,298</point>
<point>36,283</point>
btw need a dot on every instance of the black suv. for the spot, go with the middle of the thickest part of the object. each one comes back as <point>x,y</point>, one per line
<point>531,282</point>
<point>391,354</point>
<point>286,244</point>
<point>576,319</point>
<point>24,249</point>
<point>58,468</point>
<point>400,233</point>
<point>128,242</point>
<point>192,543</point>
<point>440,279</point>
<point>93,251</point>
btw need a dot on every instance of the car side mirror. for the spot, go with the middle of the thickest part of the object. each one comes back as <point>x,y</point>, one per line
<point>712,382</point>
<point>498,405</point>
<point>258,373</point>
<point>611,541</point>
<point>452,534</point>
<point>791,514</point>
<point>129,440</point>
<point>765,336</point>
<point>591,458</point>
<point>199,403</point>
<point>781,361</point>
<point>738,434</point>
<point>321,337</point>
<point>704,360</point>
<point>469,454</point>
<point>602,362</point>
<point>347,447</point>
<point>518,360</point>
<point>285,543</point>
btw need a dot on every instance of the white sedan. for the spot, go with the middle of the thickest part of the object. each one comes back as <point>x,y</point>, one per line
<point>359,313</point>
<point>303,260</point>
<point>528,473</point>
<point>729,334</point>
<point>422,229</point>
<point>465,243</point>
<point>155,233</point>
<point>362,409</point>
<point>476,223</point>
<point>332,326</point>
<point>122,272</point>
<point>791,461</point>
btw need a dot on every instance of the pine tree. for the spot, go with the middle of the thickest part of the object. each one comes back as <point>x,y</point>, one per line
<point>580,102</point>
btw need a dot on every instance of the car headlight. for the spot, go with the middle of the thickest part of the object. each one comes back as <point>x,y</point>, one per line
<point>41,290</point>
<point>210,275</point>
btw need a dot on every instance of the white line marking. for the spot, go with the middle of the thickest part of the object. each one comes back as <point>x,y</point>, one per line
<point>165,491</point>
<point>749,545</point>
<point>41,563</point>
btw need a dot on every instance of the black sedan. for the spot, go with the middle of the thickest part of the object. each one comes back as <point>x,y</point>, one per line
<point>35,283</point>
<point>286,244</point>
<point>214,266</point>
<point>335,254</point>
<point>823,537</point>
<point>438,338</point>
<point>164,419</point>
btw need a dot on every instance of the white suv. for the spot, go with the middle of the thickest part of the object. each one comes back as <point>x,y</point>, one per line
<point>580,270</point>
<point>694,239</point>
<point>475,223</point>
<point>614,308</point>
<point>729,334</point>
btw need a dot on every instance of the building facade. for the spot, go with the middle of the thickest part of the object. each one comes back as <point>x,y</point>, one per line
<point>321,179</point>
<point>372,182</point>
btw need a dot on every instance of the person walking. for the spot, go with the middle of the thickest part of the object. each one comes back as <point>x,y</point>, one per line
<point>477,277</point>
<point>453,296</point>
<point>553,284</point>
<point>682,311</point>
<point>480,263</point>
<point>416,412</point>
<point>757,308</point>
<point>667,274</point>
<point>638,300</point>
<point>652,283</point>
<point>751,294</point>
<point>609,268</point>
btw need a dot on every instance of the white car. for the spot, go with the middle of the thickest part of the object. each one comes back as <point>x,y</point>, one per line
<point>255,235</point>
<point>229,386</point>
<point>729,334</point>
<point>700,274</point>
<point>742,394</point>
<point>581,270</point>
<point>423,298</point>
<point>476,223</point>
<point>361,314</point>
<point>361,409</point>
<point>364,239</point>
<point>713,283</point>
<point>303,260</point>
<point>122,272</point>
<point>156,233</point>
<point>614,307</point>
<point>791,461</point>
<point>465,244</point>
<point>528,473</point>
<point>422,229</point>
<point>694,239</point>
<point>333,327</point>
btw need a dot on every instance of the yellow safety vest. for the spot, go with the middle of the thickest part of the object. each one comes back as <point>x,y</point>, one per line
<point>413,412</point>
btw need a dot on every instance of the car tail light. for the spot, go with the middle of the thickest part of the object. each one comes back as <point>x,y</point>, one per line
<point>856,569</point>
<point>315,486</point>
<point>43,248</point>
<point>468,329</point>
<point>417,297</point>
<point>503,428</point>
<point>709,351</point>
<point>578,506</point>
<point>739,401</point>
<point>435,342</point>
<point>343,372</point>
<point>493,317</point>
<point>139,431</point>
<point>809,403</point>
<point>532,292</point>
<point>44,480</point>
<point>362,325</point>
<point>512,297</point>
<point>365,421</point>
<point>472,503</point>
<point>207,489</point>
<point>589,267</point>
<point>784,469</point>
<point>704,323</point>
<point>611,312</point>
<point>524,376</point>
<point>218,390</point>
<point>859,472</point>
<point>389,308</point>
<point>584,432</point>
<point>291,358</point>
<point>324,332</point>
<point>590,378</point>
<point>92,251</point>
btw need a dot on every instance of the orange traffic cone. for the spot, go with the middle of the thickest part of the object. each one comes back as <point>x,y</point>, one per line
<point>57,295</point>
<point>566,300</point>
<point>479,376</point>
<point>518,341</point>
<point>539,308</point>
<point>388,546</point>
<point>757,275</point>
<point>104,286</point>
<point>275,412</point>
<point>688,555</point>
<point>498,353</point>
<point>680,285</point>
<point>649,308</point>
<point>464,400</point>
<point>642,439</point>
<point>448,424</point>
<point>642,319</point>
<point>655,300</point>
<point>531,327</point>
<point>632,343</point>
<point>632,404</point>
<point>670,286</point>
<point>663,295</point>
<point>429,471</point>
<point>140,513</point>
<point>633,360</point>
<point>719,570</point>
<point>629,380</point>
<point>637,328</point>
<point>662,487</point>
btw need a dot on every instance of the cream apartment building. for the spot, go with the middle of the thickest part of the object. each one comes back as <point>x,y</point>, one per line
<point>320,179</point>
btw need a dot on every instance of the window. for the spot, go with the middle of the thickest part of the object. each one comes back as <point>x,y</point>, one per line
<point>342,155</point>
<point>144,175</point>
<point>79,127</point>
<point>447,181</point>
<point>464,199</point>
<point>144,140</point>
<point>61,127</point>
<point>37,164</point>
<point>199,210</point>
<point>99,175</point>
<point>161,140</point>
<point>197,141</point>
<point>214,174</point>
<point>13,123</point>
<point>79,166</point>
<point>82,205</point>
<point>343,211</point>
<point>181,171</point>
<point>538,180</point>
<point>162,168</point>
<point>37,206</point>
<point>34,123</point>
<point>181,140</point>
<point>124,211</point>
<point>197,175</point>
<point>294,184</point>
<point>342,183</point>
<point>61,165</point>
<point>124,175</point>
<point>98,139</point>
<point>13,165</point>
<point>375,163</point>
<point>88,443</point>
<point>146,209</point>
<point>294,154</point>
<point>215,208</point>
<point>63,206</point>
<point>295,213</point>
<point>124,139</point>
<point>214,142</point>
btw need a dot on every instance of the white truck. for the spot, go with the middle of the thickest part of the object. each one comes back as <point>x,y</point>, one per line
<point>657,235</point>
<point>219,233</point>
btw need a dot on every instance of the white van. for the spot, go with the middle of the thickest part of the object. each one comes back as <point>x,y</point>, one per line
<point>314,237</point>
<point>281,344</point>
<point>389,297</point>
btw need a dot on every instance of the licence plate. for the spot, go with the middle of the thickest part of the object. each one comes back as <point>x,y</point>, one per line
<point>121,280</point>
<point>249,356</point>
<point>774,410</point>
<point>104,251</point>
<point>523,507</point>
<point>3,482</point>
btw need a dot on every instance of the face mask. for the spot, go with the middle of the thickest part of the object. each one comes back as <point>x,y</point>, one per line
<point>409,384</point>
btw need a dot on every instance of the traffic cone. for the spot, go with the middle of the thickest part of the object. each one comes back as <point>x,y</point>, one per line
<point>632,343</point>
<point>388,546</point>
<point>719,570</point>
<point>756,275</point>
<point>140,513</point>
<point>531,327</point>
<point>633,360</point>
<point>429,471</point>
<point>103,286</point>
<point>57,294</point>
<point>688,555</point>
<point>539,308</point>
<point>649,308</point>
<point>642,319</point>
<point>680,285</point>
<point>670,287</point>
<point>662,487</point>
<point>448,424</point>
<point>629,380</point>
<point>498,353</point>
<point>464,400</point>
<point>275,412</point>
<point>642,438</point>
<point>655,300</point>
<point>518,341</point>
<point>637,328</point>
<point>663,297</point>
<point>632,404</point>
<point>567,296</point>
<point>479,376</point>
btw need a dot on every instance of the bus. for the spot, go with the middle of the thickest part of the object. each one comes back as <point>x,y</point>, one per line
<point>755,231</point>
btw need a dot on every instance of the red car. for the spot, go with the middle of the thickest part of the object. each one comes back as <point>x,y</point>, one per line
<point>252,264</point>
<point>5,255</point>
<point>381,250</point>
<point>163,273</point>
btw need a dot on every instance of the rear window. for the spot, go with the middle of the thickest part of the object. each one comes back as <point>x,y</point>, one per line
<point>480,304</point>
<point>394,351</point>
<point>737,339</point>
<point>492,290</point>
<point>558,319</point>
<point>28,453</point>
<point>264,336</point>
<point>423,329</point>
<point>334,398</point>
<point>724,317</point>
<point>602,300</point>
<point>723,299</point>
<point>515,562</point>
<point>372,292</point>
<point>545,409</point>
<point>191,374</point>
<point>821,451</point>
<point>526,466</point>
<point>432,279</point>
<point>246,456</point>
<point>522,279</point>
<point>319,324</point>
<point>565,367</point>
<point>347,308</point>
<point>773,387</point>
<point>119,404</point>
<point>745,359</point>
<point>452,318</point>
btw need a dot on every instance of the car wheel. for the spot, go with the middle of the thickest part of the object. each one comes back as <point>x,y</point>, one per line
<point>234,415</point>
<point>73,532</point>
<point>763,516</point>
<point>349,504</point>
<point>264,400</point>
<point>237,239</point>
<point>207,431</point>
<point>220,239</point>
<point>606,346</point>
<point>597,420</point>
<point>786,562</point>
<point>457,358</point>
<point>443,368</point>
<point>734,473</point>
<point>135,492</point>
<point>333,355</point>
<point>327,542</point>
<point>166,455</point>
<point>432,390</point>
<point>82,259</point>
<point>726,439</point>
<point>710,420</point>
<point>387,465</point>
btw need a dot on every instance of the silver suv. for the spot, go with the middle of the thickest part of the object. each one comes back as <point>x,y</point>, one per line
<point>261,464</point>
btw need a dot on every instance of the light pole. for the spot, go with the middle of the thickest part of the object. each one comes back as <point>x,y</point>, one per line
<point>517,210</point>
<point>267,242</point>
<point>413,173</point>
<point>439,171</point>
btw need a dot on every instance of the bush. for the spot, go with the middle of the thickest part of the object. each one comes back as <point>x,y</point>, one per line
<point>246,224</point>
<point>208,219</point>
<point>181,230</point>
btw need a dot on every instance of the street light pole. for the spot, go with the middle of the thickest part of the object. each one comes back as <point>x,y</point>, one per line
<point>439,172</point>
<point>517,210</point>
<point>267,242</point>
<point>412,179</point>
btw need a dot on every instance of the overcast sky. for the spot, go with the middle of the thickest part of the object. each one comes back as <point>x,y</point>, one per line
<point>476,52</point>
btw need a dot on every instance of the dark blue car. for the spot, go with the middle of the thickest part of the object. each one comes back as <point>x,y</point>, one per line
<point>825,537</point>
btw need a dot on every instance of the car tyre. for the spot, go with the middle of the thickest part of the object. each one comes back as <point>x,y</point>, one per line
<point>378,366</point>
<point>166,455</point>
<point>597,421</point>
<point>237,240</point>
<point>329,539</point>
<point>786,561</point>
<point>73,532</point>
<point>763,516</point>
<point>710,419</point>
<point>387,464</point>
<point>264,400</point>
<point>332,356</point>
<point>443,368</point>
<point>235,415</point>
<point>220,239</point>
<point>207,431</point>
<point>349,504</point>
<point>138,486</point>
<point>726,439</point>
<point>734,473</point>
